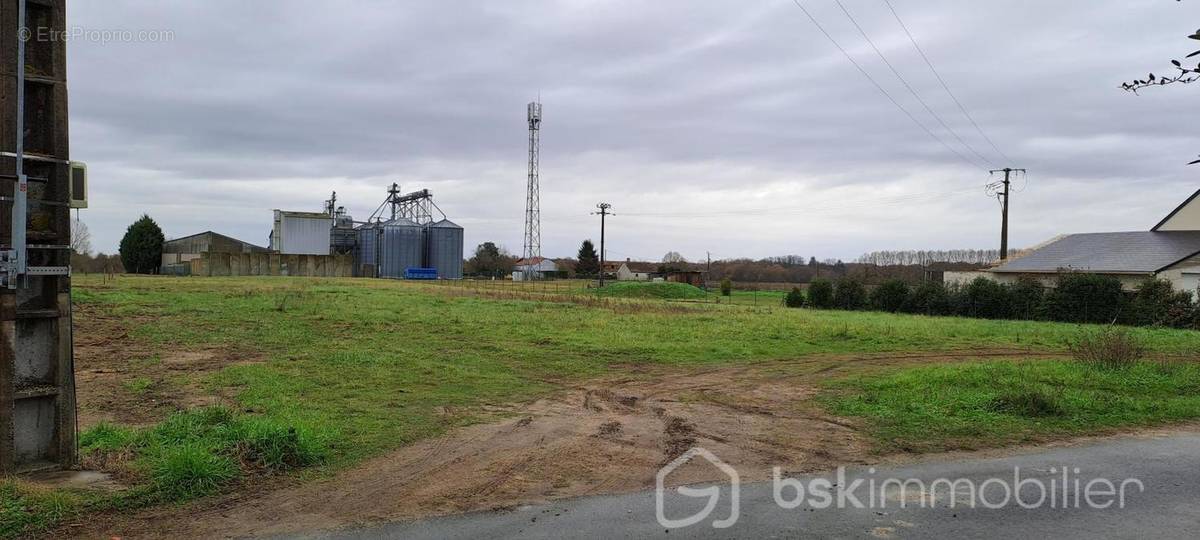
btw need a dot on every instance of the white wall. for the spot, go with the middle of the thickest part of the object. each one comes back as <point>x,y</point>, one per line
<point>963,278</point>
<point>1128,282</point>
<point>1184,276</point>
<point>1187,219</point>
<point>302,235</point>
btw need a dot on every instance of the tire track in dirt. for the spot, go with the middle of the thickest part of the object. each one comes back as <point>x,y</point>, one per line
<point>607,436</point>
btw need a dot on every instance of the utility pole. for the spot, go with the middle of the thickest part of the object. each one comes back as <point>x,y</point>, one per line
<point>603,214</point>
<point>1002,192</point>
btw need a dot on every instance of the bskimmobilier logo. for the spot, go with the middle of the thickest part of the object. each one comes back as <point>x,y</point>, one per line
<point>1056,487</point>
<point>713,493</point>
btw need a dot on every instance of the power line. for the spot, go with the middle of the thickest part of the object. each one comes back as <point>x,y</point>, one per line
<point>945,86</point>
<point>911,90</point>
<point>882,90</point>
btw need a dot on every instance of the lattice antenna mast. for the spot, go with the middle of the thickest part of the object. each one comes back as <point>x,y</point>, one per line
<point>533,215</point>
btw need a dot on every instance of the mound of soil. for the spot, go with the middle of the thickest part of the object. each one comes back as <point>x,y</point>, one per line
<point>662,290</point>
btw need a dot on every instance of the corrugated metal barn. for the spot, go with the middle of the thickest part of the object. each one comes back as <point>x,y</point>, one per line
<point>301,233</point>
<point>184,249</point>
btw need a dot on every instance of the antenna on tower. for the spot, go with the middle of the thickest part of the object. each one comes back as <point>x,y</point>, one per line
<point>532,246</point>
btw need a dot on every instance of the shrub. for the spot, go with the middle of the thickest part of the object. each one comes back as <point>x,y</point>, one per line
<point>892,295</point>
<point>986,299</point>
<point>1027,296</point>
<point>849,294</point>
<point>1157,303</point>
<point>1086,298</point>
<point>931,298</point>
<point>794,298</point>
<point>726,287</point>
<point>820,294</point>
<point>1109,348</point>
<point>1028,402</point>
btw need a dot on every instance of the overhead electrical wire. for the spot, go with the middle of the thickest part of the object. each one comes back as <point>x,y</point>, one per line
<point>907,86</point>
<point>882,90</point>
<point>945,86</point>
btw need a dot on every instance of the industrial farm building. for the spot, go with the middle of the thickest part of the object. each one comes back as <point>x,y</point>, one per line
<point>183,250</point>
<point>411,244</point>
<point>301,233</point>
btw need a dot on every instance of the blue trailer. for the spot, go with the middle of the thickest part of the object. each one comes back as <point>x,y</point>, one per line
<point>420,273</point>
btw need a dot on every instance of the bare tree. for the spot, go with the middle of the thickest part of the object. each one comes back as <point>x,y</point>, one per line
<point>1184,75</point>
<point>81,238</point>
<point>673,257</point>
<point>1180,74</point>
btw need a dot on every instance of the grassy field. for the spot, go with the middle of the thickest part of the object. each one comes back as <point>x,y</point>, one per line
<point>347,369</point>
<point>989,404</point>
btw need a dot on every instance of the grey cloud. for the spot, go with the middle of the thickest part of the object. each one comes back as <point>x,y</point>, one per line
<point>653,106</point>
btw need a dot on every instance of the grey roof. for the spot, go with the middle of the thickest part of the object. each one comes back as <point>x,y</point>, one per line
<point>1115,253</point>
<point>445,224</point>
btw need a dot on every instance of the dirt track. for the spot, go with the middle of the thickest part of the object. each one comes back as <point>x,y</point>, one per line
<point>608,436</point>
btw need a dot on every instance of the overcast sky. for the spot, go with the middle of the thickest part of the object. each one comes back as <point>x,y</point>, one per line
<point>733,127</point>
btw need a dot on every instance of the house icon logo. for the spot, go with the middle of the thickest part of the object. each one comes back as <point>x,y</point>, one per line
<point>713,493</point>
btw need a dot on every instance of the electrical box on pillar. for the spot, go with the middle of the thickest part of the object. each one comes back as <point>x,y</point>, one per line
<point>37,379</point>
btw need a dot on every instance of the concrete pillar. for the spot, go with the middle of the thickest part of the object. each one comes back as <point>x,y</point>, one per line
<point>37,379</point>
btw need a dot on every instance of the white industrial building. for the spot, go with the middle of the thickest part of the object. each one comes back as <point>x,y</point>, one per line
<point>301,233</point>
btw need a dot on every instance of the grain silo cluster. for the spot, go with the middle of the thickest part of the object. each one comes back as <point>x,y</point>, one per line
<point>407,237</point>
<point>409,244</point>
<point>403,248</point>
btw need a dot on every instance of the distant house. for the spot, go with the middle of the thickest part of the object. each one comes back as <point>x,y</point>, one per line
<point>691,277</point>
<point>182,250</point>
<point>541,267</point>
<point>631,271</point>
<point>1169,251</point>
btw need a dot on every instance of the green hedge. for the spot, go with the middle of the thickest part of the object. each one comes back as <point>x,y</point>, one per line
<point>1076,297</point>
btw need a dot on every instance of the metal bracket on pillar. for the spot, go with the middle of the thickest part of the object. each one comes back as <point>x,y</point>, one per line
<point>16,259</point>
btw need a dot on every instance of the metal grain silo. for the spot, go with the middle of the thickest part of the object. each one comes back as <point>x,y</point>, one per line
<point>400,248</point>
<point>444,249</point>
<point>366,250</point>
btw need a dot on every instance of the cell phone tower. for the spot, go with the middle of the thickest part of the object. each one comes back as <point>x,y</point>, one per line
<point>532,247</point>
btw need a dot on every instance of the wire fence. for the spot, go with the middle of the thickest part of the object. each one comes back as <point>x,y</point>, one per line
<point>588,292</point>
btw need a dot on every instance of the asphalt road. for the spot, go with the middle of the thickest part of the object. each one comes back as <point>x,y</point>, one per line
<point>1168,507</point>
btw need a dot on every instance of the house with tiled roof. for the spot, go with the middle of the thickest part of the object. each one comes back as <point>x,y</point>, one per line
<point>1170,251</point>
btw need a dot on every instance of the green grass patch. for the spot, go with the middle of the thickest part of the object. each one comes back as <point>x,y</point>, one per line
<point>660,290</point>
<point>386,363</point>
<point>26,511</point>
<point>976,405</point>
<point>197,452</point>
<point>139,385</point>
